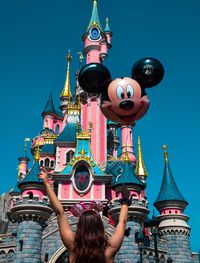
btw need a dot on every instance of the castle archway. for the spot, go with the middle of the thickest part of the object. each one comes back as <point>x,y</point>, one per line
<point>60,256</point>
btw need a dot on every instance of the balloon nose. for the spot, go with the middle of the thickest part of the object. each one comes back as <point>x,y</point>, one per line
<point>126,105</point>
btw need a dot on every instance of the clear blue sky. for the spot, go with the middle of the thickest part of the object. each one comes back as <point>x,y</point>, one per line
<point>34,40</point>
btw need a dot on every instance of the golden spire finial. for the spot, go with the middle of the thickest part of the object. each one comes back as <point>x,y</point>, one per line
<point>37,154</point>
<point>126,158</point>
<point>165,153</point>
<point>66,92</point>
<point>106,20</point>
<point>140,167</point>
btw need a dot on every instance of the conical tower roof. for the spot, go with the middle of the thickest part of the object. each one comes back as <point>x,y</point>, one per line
<point>66,92</point>
<point>49,107</point>
<point>94,21</point>
<point>32,175</point>
<point>169,190</point>
<point>140,167</point>
<point>127,175</point>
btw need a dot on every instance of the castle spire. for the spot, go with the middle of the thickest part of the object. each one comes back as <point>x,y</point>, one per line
<point>94,21</point>
<point>107,28</point>
<point>49,107</point>
<point>66,92</point>
<point>140,167</point>
<point>169,190</point>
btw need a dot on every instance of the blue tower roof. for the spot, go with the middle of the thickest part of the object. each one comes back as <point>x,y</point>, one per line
<point>49,107</point>
<point>32,175</point>
<point>107,28</point>
<point>169,190</point>
<point>68,134</point>
<point>47,148</point>
<point>94,21</point>
<point>123,173</point>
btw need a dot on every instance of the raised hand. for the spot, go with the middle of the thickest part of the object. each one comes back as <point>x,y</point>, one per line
<point>125,192</point>
<point>43,175</point>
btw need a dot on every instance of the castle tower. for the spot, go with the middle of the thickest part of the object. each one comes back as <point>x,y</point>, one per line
<point>97,43</point>
<point>137,211</point>
<point>127,142</point>
<point>31,210</point>
<point>48,113</point>
<point>173,225</point>
<point>23,161</point>
<point>112,139</point>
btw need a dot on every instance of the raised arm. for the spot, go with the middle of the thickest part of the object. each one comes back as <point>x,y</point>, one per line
<point>118,236</point>
<point>66,232</point>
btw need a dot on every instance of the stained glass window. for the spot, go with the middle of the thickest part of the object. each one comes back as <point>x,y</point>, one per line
<point>82,178</point>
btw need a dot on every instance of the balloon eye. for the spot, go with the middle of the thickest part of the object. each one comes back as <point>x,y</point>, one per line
<point>120,92</point>
<point>130,91</point>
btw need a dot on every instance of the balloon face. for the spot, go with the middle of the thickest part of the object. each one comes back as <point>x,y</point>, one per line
<point>125,104</point>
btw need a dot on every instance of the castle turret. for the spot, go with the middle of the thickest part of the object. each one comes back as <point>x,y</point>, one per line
<point>138,210</point>
<point>49,113</point>
<point>95,50</point>
<point>173,225</point>
<point>23,161</point>
<point>31,210</point>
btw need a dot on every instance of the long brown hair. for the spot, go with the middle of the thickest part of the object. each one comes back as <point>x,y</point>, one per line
<point>90,239</point>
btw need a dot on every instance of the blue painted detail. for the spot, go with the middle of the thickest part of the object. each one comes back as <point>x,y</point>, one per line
<point>123,173</point>
<point>83,144</point>
<point>68,134</point>
<point>169,190</point>
<point>32,175</point>
<point>47,148</point>
<point>107,29</point>
<point>94,33</point>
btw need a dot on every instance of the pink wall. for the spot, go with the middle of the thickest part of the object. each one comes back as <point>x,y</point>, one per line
<point>75,195</point>
<point>127,142</point>
<point>65,190</point>
<point>48,122</point>
<point>171,211</point>
<point>97,190</point>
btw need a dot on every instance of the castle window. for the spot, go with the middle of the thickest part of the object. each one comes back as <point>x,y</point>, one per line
<point>52,164</point>
<point>82,178</point>
<point>41,163</point>
<point>57,128</point>
<point>69,155</point>
<point>30,195</point>
<point>20,245</point>
<point>46,258</point>
<point>46,162</point>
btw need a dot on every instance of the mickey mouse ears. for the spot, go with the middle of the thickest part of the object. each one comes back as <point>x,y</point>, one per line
<point>148,72</point>
<point>93,77</point>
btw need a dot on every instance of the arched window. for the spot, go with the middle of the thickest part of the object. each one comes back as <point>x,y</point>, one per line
<point>30,194</point>
<point>46,123</point>
<point>69,155</point>
<point>46,162</point>
<point>82,177</point>
<point>52,164</point>
<point>57,128</point>
<point>20,245</point>
<point>41,163</point>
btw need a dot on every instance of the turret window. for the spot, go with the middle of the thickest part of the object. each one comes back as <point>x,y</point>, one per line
<point>46,162</point>
<point>30,195</point>
<point>69,155</point>
<point>57,128</point>
<point>52,164</point>
<point>41,163</point>
<point>20,245</point>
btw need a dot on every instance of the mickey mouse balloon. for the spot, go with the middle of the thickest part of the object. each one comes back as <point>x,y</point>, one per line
<point>123,100</point>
